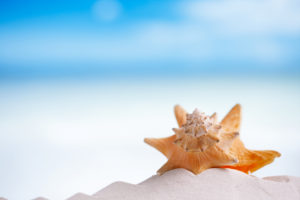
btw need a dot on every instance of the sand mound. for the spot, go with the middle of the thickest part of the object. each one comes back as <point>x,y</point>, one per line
<point>39,198</point>
<point>212,184</point>
<point>81,196</point>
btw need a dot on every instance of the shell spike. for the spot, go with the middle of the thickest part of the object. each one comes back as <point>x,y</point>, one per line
<point>214,117</point>
<point>161,145</point>
<point>180,115</point>
<point>179,132</point>
<point>232,121</point>
<point>196,111</point>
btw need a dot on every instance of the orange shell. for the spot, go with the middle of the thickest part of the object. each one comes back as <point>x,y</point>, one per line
<point>228,152</point>
<point>249,160</point>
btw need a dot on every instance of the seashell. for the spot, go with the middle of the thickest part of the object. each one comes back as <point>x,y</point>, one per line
<point>201,142</point>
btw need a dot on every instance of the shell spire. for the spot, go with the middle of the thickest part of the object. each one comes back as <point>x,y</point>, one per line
<point>198,133</point>
<point>201,142</point>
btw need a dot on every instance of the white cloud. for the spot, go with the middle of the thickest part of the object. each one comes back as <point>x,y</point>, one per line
<point>247,16</point>
<point>107,10</point>
<point>148,41</point>
<point>209,30</point>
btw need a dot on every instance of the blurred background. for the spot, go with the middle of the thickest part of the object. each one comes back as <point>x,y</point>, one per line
<point>82,82</point>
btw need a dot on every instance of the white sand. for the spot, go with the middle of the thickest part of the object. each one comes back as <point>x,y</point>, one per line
<point>81,196</point>
<point>40,198</point>
<point>212,184</point>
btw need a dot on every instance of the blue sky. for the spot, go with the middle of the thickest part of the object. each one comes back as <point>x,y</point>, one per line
<point>148,37</point>
<point>98,63</point>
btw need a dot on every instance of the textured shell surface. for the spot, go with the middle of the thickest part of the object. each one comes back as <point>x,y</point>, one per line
<point>201,142</point>
<point>198,133</point>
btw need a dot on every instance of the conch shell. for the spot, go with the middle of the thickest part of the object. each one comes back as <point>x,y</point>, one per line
<point>201,142</point>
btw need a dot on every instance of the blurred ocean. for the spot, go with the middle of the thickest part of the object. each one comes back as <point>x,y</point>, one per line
<point>65,136</point>
<point>82,82</point>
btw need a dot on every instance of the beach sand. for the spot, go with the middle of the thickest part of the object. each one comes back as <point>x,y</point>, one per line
<point>212,184</point>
